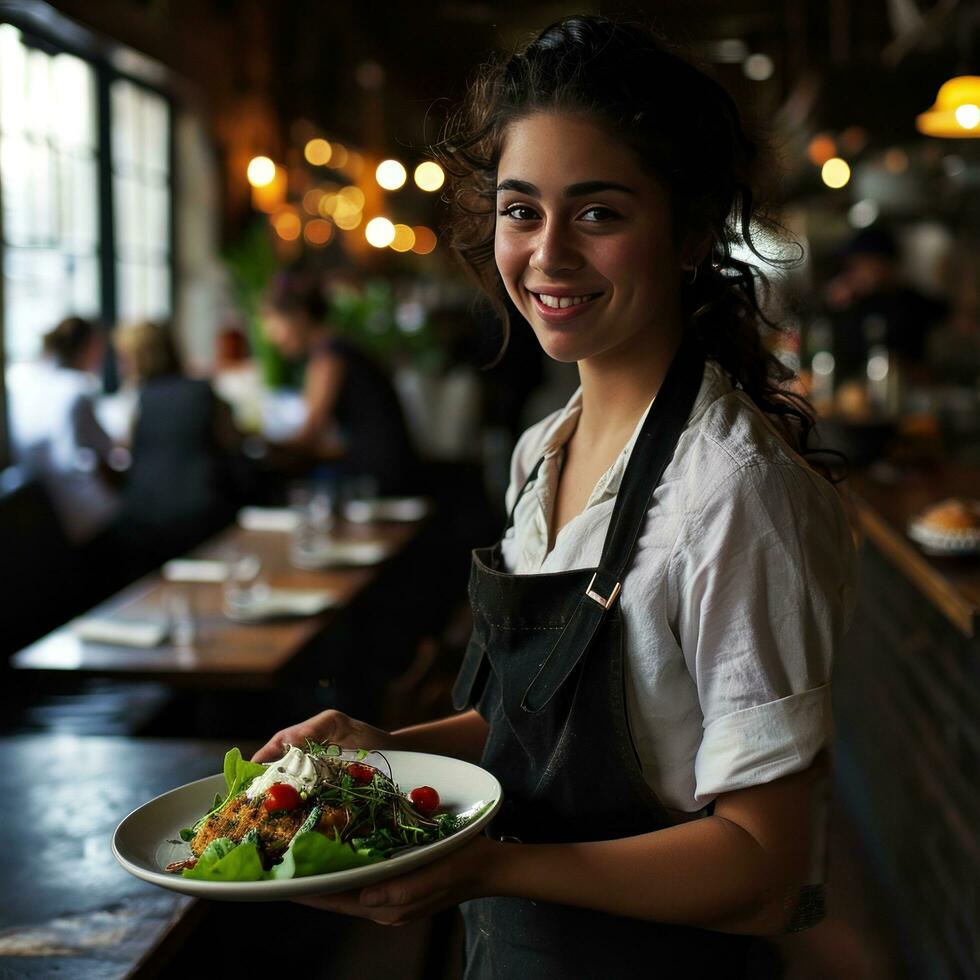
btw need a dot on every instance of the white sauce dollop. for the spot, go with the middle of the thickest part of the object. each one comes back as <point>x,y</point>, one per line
<point>297,768</point>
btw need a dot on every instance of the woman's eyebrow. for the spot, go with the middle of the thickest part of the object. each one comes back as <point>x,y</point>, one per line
<point>573,190</point>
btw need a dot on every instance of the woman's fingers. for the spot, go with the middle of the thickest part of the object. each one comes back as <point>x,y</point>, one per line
<point>276,746</point>
<point>344,903</point>
<point>328,726</point>
<point>352,903</point>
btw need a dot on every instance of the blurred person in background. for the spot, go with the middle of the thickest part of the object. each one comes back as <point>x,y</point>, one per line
<point>954,348</point>
<point>187,476</point>
<point>55,435</point>
<point>344,389</point>
<point>870,304</point>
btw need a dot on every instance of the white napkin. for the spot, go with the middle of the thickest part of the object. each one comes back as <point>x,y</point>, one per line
<point>267,519</point>
<point>284,602</point>
<point>192,570</point>
<point>386,509</point>
<point>340,554</point>
<point>129,633</point>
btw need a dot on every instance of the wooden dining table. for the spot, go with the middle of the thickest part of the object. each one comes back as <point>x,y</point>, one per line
<point>223,653</point>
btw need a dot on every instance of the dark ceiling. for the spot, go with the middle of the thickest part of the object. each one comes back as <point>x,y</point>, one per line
<point>869,62</point>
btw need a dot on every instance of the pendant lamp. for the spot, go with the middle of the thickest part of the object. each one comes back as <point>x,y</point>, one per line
<point>956,113</point>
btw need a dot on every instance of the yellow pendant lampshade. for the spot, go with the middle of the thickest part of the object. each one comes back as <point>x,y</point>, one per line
<point>956,113</point>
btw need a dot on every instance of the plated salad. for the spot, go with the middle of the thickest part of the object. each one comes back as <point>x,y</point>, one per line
<point>317,809</point>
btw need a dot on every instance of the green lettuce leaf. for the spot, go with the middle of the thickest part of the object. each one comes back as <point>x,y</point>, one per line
<point>313,853</point>
<point>224,860</point>
<point>239,772</point>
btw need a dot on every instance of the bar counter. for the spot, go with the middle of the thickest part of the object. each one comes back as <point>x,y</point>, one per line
<point>888,499</point>
<point>906,698</point>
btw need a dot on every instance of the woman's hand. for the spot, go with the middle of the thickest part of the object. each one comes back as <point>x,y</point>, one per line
<point>460,876</point>
<point>328,726</point>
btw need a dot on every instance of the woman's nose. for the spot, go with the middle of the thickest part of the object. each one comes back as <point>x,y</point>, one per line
<point>554,251</point>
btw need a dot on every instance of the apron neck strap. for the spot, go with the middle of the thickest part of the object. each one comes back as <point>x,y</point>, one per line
<point>653,450</point>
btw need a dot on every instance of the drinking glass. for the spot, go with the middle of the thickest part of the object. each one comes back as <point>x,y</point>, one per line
<point>179,607</point>
<point>313,505</point>
<point>245,586</point>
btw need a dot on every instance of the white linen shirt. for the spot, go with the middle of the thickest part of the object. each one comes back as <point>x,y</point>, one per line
<point>739,592</point>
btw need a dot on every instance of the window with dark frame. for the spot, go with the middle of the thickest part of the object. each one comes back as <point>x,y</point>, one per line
<point>86,184</point>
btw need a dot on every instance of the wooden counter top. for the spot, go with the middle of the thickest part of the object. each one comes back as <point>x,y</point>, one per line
<point>69,909</point>
<point>887,498</point>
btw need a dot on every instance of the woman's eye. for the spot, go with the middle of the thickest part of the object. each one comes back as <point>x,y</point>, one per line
<point>599,213</point>
<point>520,212</point>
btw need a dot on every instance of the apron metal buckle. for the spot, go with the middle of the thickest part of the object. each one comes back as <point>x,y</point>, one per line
<point>605,603</point>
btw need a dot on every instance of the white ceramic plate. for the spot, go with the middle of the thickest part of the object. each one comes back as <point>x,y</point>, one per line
<point>144,842</point>
<point>340,554</point>
<point>386,509</point>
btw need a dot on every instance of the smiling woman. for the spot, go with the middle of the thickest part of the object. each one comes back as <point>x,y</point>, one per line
<point>648,675</point>
<point>575,248</point>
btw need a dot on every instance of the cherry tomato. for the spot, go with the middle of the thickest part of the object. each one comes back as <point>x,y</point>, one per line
<point>361,774</point>
<point>281,796</point>
<point>425,799</point>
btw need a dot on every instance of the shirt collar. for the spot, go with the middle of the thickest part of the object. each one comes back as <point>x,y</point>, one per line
<point>713,385</point>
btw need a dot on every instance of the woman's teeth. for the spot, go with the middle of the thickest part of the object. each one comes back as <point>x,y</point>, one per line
<point>563,302</point>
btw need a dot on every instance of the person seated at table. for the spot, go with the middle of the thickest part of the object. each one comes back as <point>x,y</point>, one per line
<point>185,479</point>
<point>54,433</point>
<point>344,389</point>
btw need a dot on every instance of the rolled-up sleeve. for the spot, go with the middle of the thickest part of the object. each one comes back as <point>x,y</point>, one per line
<point>764,585</point>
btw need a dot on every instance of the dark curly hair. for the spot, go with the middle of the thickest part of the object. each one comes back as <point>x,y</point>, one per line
<point>686,131</point>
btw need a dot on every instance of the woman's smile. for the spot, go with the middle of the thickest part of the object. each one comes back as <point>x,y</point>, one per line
<point>558,306</point>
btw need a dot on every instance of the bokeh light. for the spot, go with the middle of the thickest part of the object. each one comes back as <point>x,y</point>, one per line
<point>338,156</point>
<point>318,232</point>
<point>835,172</point>
<point>287,225</point>
<point>404,239</point>
<point>896,160</point>
<point>390,175</point>
<point>317,152</point>
<point>425,240</point>
<point>354,195</point>
<point>345,210</point>
<point>380,232</point>
<point>261,171</point>
<point>758,67</point>
<point>820,149</point>
<point>429,176</point>
<point>863,213</point>
<point>311,200</point>
<point>348,220</point>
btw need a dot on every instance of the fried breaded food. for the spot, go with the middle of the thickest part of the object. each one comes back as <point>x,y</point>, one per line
<point>275,830</point>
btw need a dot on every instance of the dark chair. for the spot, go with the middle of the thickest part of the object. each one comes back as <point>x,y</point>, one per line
<point>42,580</point>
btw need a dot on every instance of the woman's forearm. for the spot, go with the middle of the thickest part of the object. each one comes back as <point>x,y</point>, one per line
<point>708,872</point>
<point>462,736</point>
